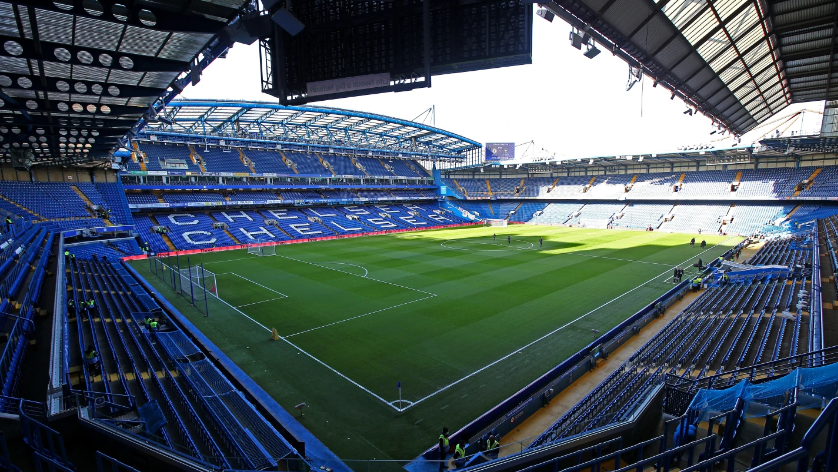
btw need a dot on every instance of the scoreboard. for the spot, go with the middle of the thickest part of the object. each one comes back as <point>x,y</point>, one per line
<point>499,152</point>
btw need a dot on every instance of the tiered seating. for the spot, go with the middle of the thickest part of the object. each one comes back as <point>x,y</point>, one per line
<point>307,163</point>
<point>186,197</point>
<point>47,199</point>
<point>526,211</point>
<point>654,185</point>
<point>374,167</point>
<point>268,161</point>
<point>708,183</point>
<point>725,328</point>
<point>158,153</point>
<point>751,219</point>
<point>568,187</point>
<point>407,194</point>
<point>375,218</point>
<point>555,213</point>
<point>193,230</point>
<point>608,186</point>
<point>536,187</point>
<point>641,216</point>
<point>402,215</point>
<point>218,160</point>
<point>481,209</point>
<point>476,188</point>
<point>343,165</point>
<point>114,196</point>
<point>301,195</point>
<point>339,194</point>
<point>296,224</point>
<point>695,218</point>
<point>374,194</point>
<point>140,198</point>
<point>207,419</point>
<point>112,249</point>
<point>596,213</point>
<point>777,182</point>
<point>432,212</point>
<point>407,168</point>
<point>824,185</point>
<point>143,224</point>
<point>249,226</point>
<point>252,196</point>
<point>28,253</point>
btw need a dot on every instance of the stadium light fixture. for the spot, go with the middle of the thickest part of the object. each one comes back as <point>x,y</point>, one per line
<point>592,51</point>
<point>575,40</point>
<point>546,14</point>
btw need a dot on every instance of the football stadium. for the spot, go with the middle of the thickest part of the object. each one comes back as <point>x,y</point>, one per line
<point>297,283</point>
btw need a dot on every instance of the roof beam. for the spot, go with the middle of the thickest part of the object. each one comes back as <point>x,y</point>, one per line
<point>183,22</point>
<point>832,50</point>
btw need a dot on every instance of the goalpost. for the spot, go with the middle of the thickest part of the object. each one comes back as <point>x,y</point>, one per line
<point>494,222</point>
<point>201,281</point>
<point>262,247</point>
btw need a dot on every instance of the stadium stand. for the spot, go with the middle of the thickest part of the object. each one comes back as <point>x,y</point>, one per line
<point>641,216</point>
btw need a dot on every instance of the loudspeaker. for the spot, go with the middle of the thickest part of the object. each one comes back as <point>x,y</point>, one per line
<point>287,21</point>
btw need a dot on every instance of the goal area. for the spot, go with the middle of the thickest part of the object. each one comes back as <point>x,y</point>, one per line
<point>262,247</point>
<point>494,222</point>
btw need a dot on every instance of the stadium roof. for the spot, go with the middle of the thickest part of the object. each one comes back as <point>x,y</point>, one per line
<point>77,75</point>
<point>738,61</point>
<point>272,123</point>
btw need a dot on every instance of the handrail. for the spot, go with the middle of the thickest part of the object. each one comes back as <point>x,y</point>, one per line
<point>829,355</point>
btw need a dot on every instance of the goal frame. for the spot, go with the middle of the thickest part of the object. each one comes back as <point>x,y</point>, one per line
<point>262,247</point>
<point>495,222</point>
<point>201,280</point>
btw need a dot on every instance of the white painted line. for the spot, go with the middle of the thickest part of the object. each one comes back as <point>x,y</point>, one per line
<point>360,316</point>
<point>228,260</point>
<point>366,272</point>
<point>550,333</point>
<point>263,301</point>
<point>503,248</point>
<point>256,283</point>
<point>356,275</point>
<point>314,358</point>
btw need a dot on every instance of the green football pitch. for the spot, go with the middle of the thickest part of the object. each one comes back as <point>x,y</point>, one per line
<point>459,318</point>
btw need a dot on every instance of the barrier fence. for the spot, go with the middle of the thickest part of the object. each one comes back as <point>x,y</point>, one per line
<point>192,288</point>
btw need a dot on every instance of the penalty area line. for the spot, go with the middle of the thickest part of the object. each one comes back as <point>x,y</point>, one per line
<point>284,339</point>
<point>550,333</point>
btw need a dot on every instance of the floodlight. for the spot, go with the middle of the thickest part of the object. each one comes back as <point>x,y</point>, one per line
<point>592,51</point>
<point>287,21</point>
<point>546,14</point>
<point>576,40</point>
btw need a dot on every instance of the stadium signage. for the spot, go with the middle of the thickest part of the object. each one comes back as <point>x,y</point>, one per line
<point>347,84</point>
<point>498,152</point>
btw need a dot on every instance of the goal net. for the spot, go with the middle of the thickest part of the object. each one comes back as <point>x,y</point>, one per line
<point>261,247</point>
<point>494,222</point>
<point>199,282</point>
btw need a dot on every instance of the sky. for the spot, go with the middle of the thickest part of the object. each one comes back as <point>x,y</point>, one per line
<point>569,105</point>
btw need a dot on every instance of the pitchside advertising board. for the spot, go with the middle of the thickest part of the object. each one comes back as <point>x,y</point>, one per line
<point>499,152</point>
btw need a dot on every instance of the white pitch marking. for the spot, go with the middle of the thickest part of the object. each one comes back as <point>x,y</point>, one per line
<point>313,358</point>
<point>263,301</point>
<point>255,283</point>
<point>228,260</point>
<point>366,272</point>
<point>361,316</point>
<point>503,248</point>
<point>549,334</point>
